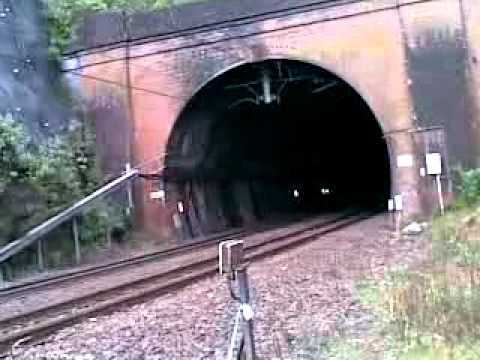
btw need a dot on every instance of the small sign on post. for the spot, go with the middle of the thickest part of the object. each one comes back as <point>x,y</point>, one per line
<point>230,256</point>
<point>434,168</point>
<point>434,163</point>
<point>231,262</point>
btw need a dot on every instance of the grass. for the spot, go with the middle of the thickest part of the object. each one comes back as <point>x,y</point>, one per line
<point>432,312</point>
<point>427,313</point>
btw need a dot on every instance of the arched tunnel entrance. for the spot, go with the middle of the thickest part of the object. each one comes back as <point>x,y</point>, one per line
<point>272,141</point>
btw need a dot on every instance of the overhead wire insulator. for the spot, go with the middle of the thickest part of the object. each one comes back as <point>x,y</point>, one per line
<point>267,88</point>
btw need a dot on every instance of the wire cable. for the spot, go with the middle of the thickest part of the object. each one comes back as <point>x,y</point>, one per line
<point>111,82</point>
<point>229,23</point>
<point>240,37</point>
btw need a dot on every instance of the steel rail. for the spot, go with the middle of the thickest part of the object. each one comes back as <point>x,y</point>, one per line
<point>120,264</point>
<point>105,301</point>
<point>77,274</point>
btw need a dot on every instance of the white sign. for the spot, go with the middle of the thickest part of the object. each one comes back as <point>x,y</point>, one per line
<point>434,163</point>
<point>405,160</point>
<point>247,312</point>
<point>398,202</point>
<point>156,195</point>
<point>391,205</point>
<point>180,207</point>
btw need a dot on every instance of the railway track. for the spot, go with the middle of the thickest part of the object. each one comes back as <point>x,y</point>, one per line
<point>56,280</point>
<point>33,325</point>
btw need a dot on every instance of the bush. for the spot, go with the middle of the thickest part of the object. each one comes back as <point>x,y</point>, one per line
<point>470,186</point>
<point>37,181</point>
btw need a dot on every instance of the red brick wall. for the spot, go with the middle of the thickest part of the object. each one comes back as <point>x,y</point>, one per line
<point>365,44</point>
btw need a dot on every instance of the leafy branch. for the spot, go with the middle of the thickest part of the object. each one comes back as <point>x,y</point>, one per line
<point>63,16</point>
<point>37,181</point>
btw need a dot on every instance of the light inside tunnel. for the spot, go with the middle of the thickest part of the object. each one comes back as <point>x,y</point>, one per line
<point>261,132</point>
<point>296,193</point>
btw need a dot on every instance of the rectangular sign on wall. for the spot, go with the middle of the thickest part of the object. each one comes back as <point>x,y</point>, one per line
<point>391,205</point>
<point>434,163</point>
<point>398,202</point>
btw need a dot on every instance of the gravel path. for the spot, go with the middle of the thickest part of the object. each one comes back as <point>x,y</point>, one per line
<point>298,294</point>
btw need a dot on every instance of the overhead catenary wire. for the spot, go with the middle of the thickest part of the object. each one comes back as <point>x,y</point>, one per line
<point>116,83</point>
<point>218,25</point>
<point>230,38</point>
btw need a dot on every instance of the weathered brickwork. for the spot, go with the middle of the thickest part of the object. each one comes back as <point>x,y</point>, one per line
<point>414,63</point>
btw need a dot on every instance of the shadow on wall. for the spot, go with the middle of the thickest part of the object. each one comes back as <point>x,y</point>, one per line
<point>26,73</point>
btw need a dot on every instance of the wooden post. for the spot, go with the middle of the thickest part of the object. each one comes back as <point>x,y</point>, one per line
<point>76,240</point>
<point>40,260</point>
<point>249,341</point>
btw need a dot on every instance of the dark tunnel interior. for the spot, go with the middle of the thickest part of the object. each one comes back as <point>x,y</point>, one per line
<point>274,140</point>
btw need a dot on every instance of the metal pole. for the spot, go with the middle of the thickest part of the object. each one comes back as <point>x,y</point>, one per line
<point>44,228</point>
<point>249,344</point>
<point>41,263</point>
<point>76,239</point>
<point>129,193</point>
<point>440,195</point>
<point>131,114</point>
<point>398,223</point>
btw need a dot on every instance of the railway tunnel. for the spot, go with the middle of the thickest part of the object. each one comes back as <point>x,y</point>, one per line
<point>272,141</point>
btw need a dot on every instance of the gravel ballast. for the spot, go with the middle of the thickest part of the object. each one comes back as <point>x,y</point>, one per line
<point>296,294</point>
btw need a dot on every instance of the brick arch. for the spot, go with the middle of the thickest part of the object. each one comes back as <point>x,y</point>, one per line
<point>332,68</point>
<point>194,122</point>
<point>355,84</point>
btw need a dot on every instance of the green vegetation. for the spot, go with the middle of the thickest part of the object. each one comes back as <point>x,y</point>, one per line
<point>469,187</point>
<point>431,312</point>
<point>37,181</point>
<point>63,15</point>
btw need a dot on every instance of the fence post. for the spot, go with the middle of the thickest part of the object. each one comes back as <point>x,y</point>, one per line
<point>40,259</point>
<point>108,237</point>
<point>76,240</point>
<point>244,293</point>
<point>2,278</point>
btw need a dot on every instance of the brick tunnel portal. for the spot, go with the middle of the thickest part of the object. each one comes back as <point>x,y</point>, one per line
<point>274,140</point>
